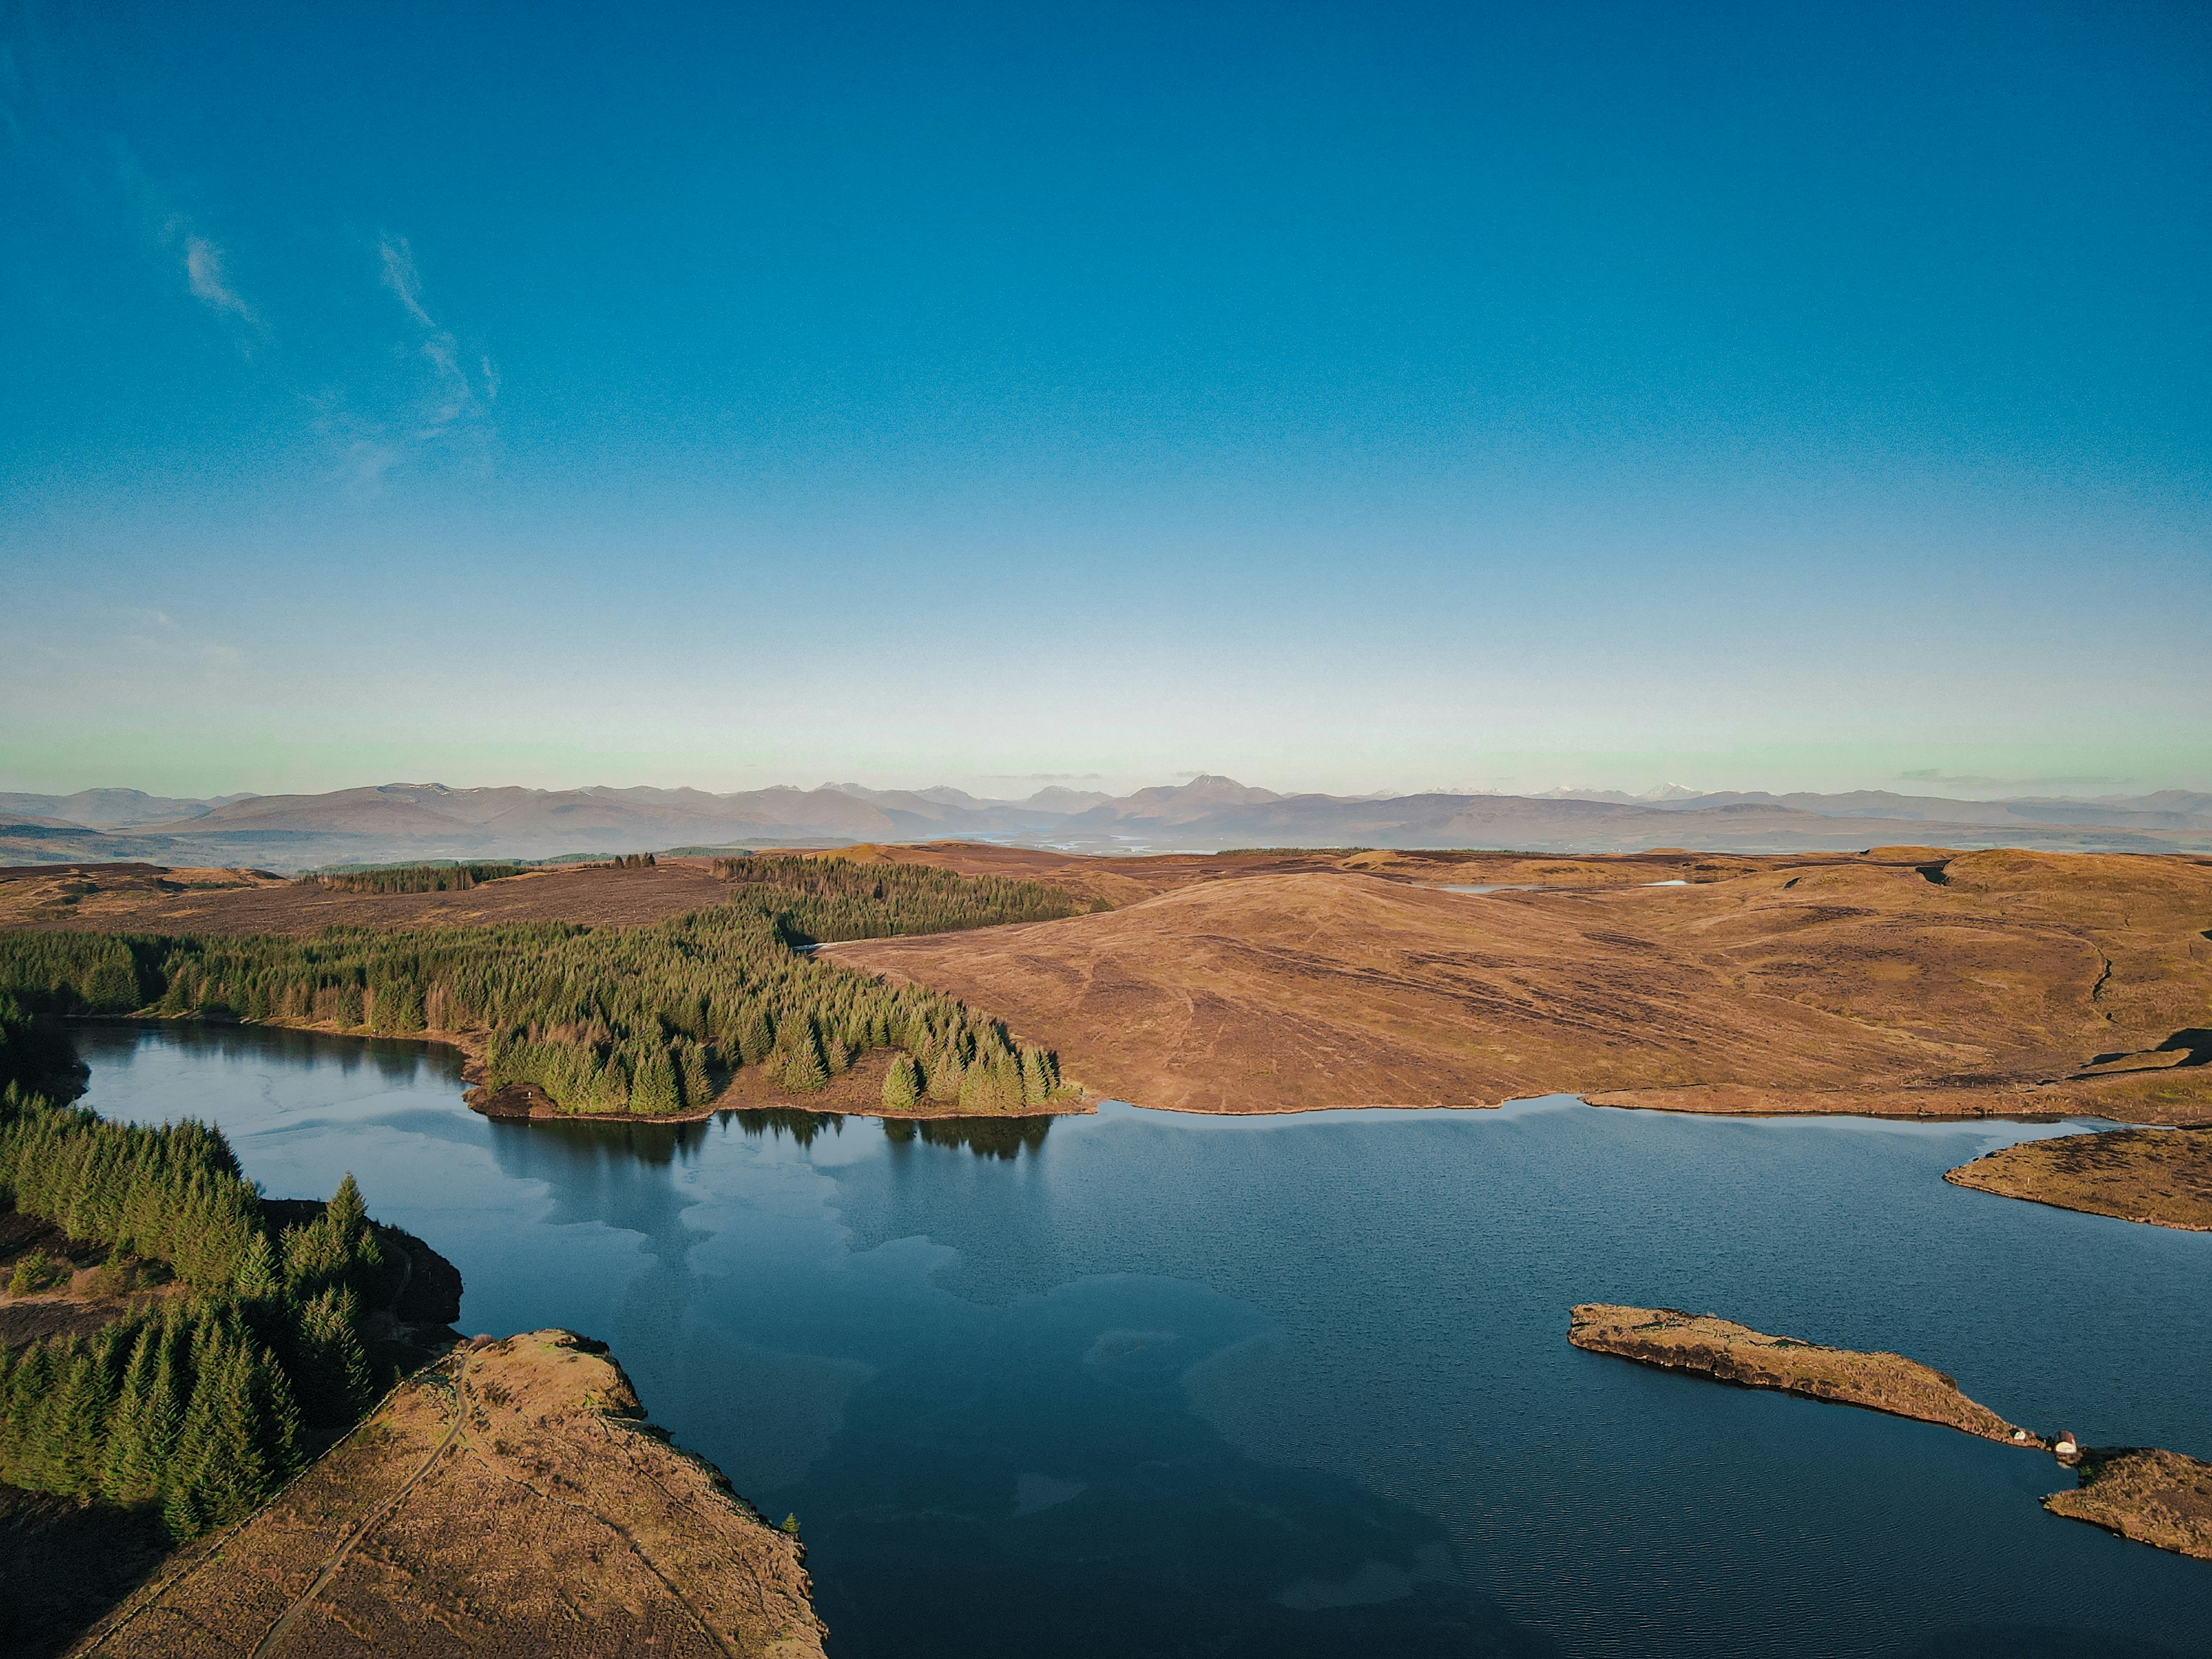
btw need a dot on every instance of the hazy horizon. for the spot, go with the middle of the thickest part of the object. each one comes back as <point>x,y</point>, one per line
<point>1339,400</point>
<point>999,787</point>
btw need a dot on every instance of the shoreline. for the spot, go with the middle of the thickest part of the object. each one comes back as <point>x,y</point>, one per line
<point>471,1046</point>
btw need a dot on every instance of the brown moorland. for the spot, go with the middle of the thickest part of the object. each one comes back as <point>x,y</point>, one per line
<point>2153,1496</point>
<point>1730,1352</point>
<point>144,898</point>
<point>2161,1177</point>
<point>149,898</point>
<point>1903,981</point>
<point>509,1502</point>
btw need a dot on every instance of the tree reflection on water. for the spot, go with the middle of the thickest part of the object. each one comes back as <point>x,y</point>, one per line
<point>985,1137</point>
<point>776,1121</point>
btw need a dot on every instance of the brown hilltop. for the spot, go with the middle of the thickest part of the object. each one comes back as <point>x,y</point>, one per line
<point>144,898</point>
<point>1913,983</point>
<point>508,1501</point>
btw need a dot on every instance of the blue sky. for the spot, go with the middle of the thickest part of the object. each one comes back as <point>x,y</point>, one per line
<point>1338,396</point>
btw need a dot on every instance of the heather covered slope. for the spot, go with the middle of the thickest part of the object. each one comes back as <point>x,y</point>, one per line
<point>1925,984</point>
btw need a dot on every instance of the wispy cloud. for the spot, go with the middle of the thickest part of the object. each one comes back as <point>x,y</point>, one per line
<point>399,276</point>
<point>452,396</point>
<point>204,273</point>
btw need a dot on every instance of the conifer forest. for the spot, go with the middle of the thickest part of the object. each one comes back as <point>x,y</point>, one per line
<point>201,1406</point>
<point>645,1020</point>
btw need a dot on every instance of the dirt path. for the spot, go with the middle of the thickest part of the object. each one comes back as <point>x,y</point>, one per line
<point>267,1645</point>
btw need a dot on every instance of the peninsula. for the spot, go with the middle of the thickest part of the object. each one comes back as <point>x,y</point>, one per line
<point>666,1018</point>
<point>510,1499</point>
<point>2160,1176</point>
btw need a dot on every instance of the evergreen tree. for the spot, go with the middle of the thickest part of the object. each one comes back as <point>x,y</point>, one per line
<point>332,1366</point>
<point>653,1092</point>
<point>259,1279</point>
<point>129,1475</point>
<point>756,1035</point>
<point>186,1476</point>
<point>801,1067</point>
<point>947,1075</point>
<point>346,1212</point>
<point>901,1084</point>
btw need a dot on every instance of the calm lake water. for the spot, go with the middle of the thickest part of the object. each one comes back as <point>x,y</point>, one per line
<point>1144,1384</point>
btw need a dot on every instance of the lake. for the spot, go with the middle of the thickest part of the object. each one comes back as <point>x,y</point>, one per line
<point>1144,1384</point>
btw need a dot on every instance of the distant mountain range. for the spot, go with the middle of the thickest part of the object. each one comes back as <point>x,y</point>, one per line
<point>403,821</point>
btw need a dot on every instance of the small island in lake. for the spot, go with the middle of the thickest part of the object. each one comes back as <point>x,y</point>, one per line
<point>2160,1176</point>
<point>1730,1352</point>
<point>2153,1496</point>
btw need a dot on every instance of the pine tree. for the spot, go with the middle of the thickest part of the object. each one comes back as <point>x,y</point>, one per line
<point>346,1212</point>
<point>127,1475</point>
<point>801,1067</point>
<point>652,1091</point>
<point>901,1084</point>
<point>335,1383</point>
<point>281,1414</point>
<point>30,1388</point>
<point>992,1085</point>
<point>186,1476</point>
<point>947,1075</point>
<point>756,1035</point>
<point>258,1278</point>
<point>697,1090</point>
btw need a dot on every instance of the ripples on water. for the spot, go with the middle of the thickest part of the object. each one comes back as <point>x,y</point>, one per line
<point>1144,1384</point>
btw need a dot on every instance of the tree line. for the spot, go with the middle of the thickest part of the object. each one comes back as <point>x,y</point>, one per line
<point>648,1020</point>
<point>412,878</point>
<point>198,1409</point>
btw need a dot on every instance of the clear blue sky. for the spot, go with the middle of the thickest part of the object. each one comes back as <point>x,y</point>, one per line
<point>1339,396</point>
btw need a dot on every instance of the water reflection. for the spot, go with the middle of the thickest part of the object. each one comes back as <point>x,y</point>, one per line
<point>778,1121</point>
<point>1003,1138</point>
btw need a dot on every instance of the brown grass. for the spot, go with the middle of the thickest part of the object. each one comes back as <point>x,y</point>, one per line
<point>2162,1177</point>
<point>2156,1497</point>
<point>1730,1352</point>
<point>125,899</point>
<point>507,1503</point>
<point>1912,982</point>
